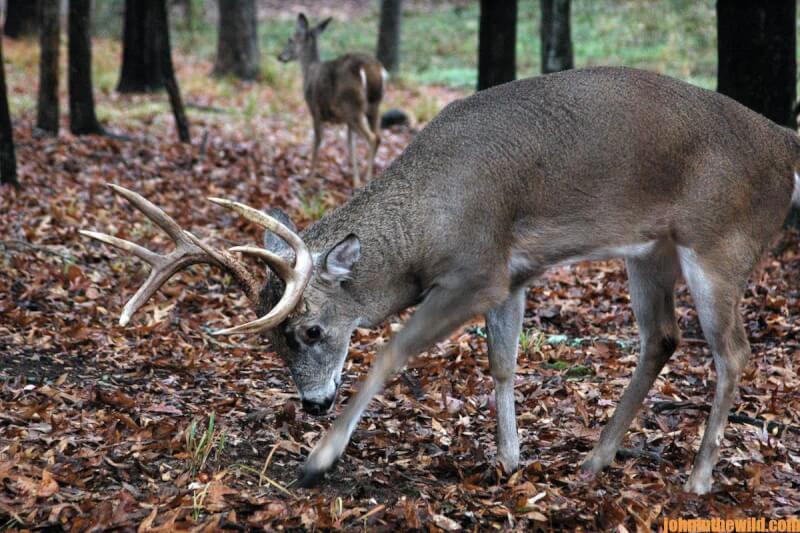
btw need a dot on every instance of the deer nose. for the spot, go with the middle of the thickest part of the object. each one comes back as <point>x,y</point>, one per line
<point>317,408</point>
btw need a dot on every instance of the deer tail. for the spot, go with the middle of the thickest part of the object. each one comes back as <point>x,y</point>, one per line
<point>796,193</point>
<point>372,78</point>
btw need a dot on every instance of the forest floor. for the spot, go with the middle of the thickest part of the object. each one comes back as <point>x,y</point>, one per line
<point>110,427</point>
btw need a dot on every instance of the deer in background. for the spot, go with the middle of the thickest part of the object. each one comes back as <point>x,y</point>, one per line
<point>579,165</point>
<point>347,90</point>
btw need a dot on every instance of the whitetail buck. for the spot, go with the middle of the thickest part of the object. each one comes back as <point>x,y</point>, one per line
<point>347,90</point>
<point>581,165</point>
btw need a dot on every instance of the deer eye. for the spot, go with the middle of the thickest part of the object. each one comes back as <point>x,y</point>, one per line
<point>313,334</point>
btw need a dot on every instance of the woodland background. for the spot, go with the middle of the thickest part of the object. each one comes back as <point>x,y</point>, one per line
<point>159,426</point>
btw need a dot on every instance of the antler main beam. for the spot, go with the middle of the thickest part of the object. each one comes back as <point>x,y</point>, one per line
<point>187,252</point>
<point>190,250</point>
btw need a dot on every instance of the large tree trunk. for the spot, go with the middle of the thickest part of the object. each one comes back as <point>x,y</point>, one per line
<point>556,36</point>
<point>497,43</point>
<point>22,18</point>
<point>756,55</point>
<point>49,43</point>
<point>8,160</point>
<point>141,57</point>
<point>162,43</point>
<point>82,119</point>
<point>389,34</point>
<point>237,42</point>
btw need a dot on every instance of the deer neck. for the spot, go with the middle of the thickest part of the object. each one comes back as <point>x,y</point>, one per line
<point>309,59</point>
<point>384,282</point>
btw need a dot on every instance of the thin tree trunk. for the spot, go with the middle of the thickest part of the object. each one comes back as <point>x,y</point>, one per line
<point>8,160</point>
<point>82,118</point>
<point>49,43</point>
<point>756,56</point>
<point>141,57</point>
<point>161,36</point>
<point>497,43</point>
<point>22,18</point>
<point>388,52</point>
<point>556,36</point>
<point>237,44</point>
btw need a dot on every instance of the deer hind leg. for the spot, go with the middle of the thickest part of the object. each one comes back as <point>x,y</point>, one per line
<point>503,327</point>
<point>351,145</point>
<point>361,127</point>
<point>652,282</point>
<point>373,118</point>
<point>716,294</point>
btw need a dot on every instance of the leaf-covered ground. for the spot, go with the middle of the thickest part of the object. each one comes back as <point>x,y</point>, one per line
<point>109,427</point>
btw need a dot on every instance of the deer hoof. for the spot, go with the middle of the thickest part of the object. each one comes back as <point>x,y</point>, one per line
<point>310,477</point>
<point>696,485</point>
<point>591,467</point>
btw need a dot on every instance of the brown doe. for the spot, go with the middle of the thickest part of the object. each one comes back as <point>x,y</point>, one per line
<point>580,165</point>
<point>347,90</point>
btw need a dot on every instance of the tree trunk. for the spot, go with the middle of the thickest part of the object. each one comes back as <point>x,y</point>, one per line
<point>141,57</point>
<point>237,42</point>
<point>556,36</point>
<point>497,43</point>
<point>82,119</point>
<point>8,160</point>
<point>22,18</point>
<point>160,30</point>
<point>389,34</point>
<point>49,43</point>
<point>756,56</point>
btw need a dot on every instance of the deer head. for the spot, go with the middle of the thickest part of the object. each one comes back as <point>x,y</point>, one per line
<point>303,44</point>
<point>303,308</point>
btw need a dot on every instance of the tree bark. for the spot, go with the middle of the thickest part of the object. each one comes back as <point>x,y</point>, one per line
<point>388,52</point>
<point>8,160</point>
<point>141,57</point>
<point>82,118</point>
<point>497,43</point>
<point>756,56</point>
<point>49,44</point>
<point>556,36</point>
<point>237,41</point>
<point>22,18</point>
<point>161,36</point>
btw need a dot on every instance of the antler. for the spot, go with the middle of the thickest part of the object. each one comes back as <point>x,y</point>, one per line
<point>190,250</point>
<point>296,277</point>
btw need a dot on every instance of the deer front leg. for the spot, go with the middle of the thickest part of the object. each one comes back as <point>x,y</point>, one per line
<point>503,327</point>
<point>315,146</point>
<point>443,310</point>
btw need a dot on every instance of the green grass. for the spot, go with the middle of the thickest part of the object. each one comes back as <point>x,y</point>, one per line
<point>439,44</point>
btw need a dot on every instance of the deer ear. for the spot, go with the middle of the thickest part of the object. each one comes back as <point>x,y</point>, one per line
<point>275,244</point>
<point>302,22</point>
<point>322,25</point>
<point>337,266</point>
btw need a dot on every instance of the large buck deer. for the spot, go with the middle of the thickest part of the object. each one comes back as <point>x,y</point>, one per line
<point>581,165</point>
<point>347,90</point>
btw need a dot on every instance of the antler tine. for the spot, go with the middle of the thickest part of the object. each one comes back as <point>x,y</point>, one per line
<point>139,251</point>
<point>296,277</point>
<point>281,265</point>
<point>189,250</point>
<point>151,211</point>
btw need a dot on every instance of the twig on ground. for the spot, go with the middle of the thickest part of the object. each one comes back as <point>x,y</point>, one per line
<point>773,428</point>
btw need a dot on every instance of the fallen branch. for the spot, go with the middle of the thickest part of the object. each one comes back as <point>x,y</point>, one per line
<point>635,453</point>
<point>413,385</point>
<point>773,428</point>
